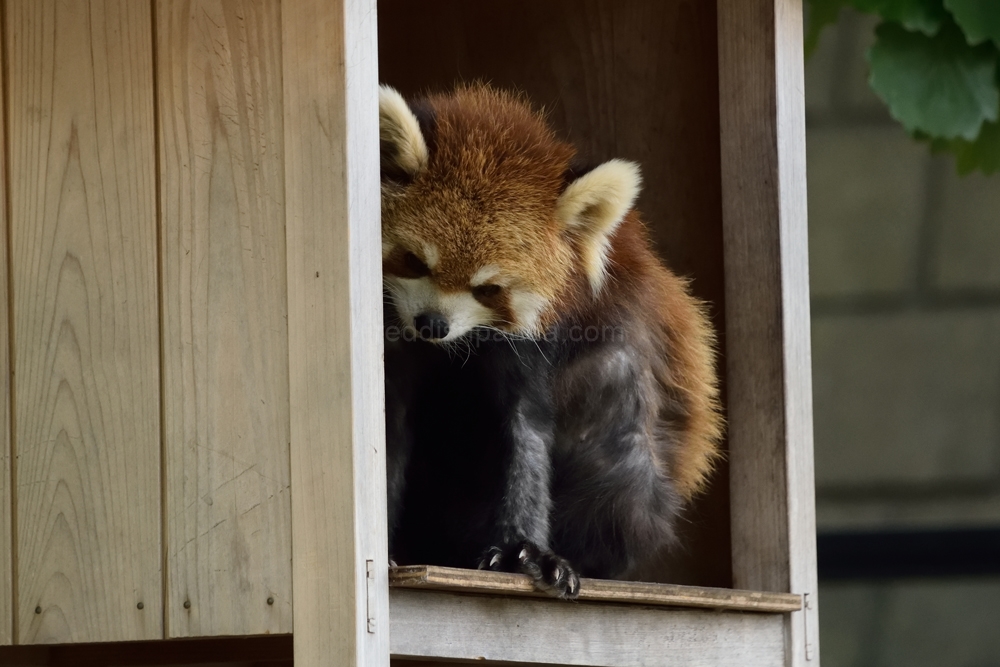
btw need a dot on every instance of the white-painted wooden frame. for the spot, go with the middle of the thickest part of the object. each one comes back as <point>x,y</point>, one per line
<point>769,371</point>
<point>339,552</point>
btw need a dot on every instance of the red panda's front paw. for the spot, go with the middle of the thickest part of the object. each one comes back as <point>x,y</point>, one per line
<point>551,573</point>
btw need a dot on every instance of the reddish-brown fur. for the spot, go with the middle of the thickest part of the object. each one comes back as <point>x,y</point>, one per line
<point>488,196</point>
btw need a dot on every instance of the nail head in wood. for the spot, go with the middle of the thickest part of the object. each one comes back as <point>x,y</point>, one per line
<point>187,604</point>
<point>270,601</point>
<point>38,610</point>
<point>140,606</point>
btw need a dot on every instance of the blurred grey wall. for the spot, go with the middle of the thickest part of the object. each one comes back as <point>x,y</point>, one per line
<point>905,280</point>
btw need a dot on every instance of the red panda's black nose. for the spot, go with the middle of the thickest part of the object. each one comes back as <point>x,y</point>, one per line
<point>431,326</point>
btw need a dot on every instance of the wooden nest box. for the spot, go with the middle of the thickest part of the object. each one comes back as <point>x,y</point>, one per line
<point>192,424</point>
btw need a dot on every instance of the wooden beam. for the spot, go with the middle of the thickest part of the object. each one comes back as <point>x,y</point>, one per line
<point>430,577</point>
<point>500,630</point>
<point>330,69</point>
<point>767,306</point>
<point>7,632</point>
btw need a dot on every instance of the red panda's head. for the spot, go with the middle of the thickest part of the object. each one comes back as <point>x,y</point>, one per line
<point>484,223</point>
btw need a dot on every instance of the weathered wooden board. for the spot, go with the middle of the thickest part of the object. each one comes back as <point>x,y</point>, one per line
<point>225,344</point>
<point>529,631</point>
<point>6,493</point>
<point>340,578</point>
<point>430,577</point>
<point>767,292</point>
<point>86,345</point>
<point>633,79</point>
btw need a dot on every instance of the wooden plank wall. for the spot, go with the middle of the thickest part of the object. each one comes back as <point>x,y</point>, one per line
<point>334,306</point>
<point>146,204</point>
<point>6,483</point>
<point>227,503</point>
<point>767,289</point>
<point>85,323</point>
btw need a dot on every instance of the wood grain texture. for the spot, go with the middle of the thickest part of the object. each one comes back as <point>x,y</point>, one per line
<point>430,577</point>
<point>86,345</point>
<point>528,631</point>
<point>620,78</point>
<point>6,492</point>
<point>767,289</point>
<point>330,65</point>
<point>225,345</point>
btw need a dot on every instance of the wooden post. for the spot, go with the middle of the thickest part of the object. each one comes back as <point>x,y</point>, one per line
<point>6,487</point>
<point>339,553</point>
<point>767,307</point>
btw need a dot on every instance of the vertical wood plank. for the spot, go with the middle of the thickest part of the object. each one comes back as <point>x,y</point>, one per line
<point>334,332</point>
<point>86,353</point>
<point>225,347</point>
<point>6,496</point>
<point>767,297</point>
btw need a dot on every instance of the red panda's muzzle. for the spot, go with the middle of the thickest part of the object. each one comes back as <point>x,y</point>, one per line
<point>431,326</point>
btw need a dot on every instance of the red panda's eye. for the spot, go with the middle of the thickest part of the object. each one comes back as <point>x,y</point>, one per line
<point>415,266</point>
<point>486,291</point>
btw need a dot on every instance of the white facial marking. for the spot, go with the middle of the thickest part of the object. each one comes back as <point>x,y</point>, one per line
<point>527,307</point>
<point>415,296</point>
<point>464,313</point>
<point>483,275</point>
<point>431,255</point>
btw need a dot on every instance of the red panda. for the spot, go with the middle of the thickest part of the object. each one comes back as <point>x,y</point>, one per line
<point>552,402</point>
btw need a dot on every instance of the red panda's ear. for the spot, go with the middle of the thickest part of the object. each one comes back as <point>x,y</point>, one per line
<point>403,149</point>
<point>593,206</point>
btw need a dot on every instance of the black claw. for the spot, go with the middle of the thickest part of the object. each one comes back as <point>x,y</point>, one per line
<point>493,559</point>
<point>551,573</point>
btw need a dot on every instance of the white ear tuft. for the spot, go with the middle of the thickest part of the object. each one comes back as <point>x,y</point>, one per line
<point>593,206</point>
<point>402,144</point>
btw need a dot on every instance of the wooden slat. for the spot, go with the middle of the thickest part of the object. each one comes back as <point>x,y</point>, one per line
<point>431,577</point>
<point>6,497</point>
<point>86,346</point>
<point>225,346</point>
<point>332,200</point>
<point>428,624</point>
<point>767,296</point>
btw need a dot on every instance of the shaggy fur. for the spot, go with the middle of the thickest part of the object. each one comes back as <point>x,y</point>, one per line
<point>565,407</point>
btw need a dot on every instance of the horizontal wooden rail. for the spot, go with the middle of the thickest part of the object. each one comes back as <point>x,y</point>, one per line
<point>504,630</point>
<point>594,590</point>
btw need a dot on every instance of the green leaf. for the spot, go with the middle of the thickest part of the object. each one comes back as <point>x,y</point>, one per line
<point>980,19</point>
<point>982,154</point>
<point>938,85</point>
<point>923,15</point>
<point>821,14</point>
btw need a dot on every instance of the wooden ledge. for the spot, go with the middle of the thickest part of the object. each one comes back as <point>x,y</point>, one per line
<point>457,580</point>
